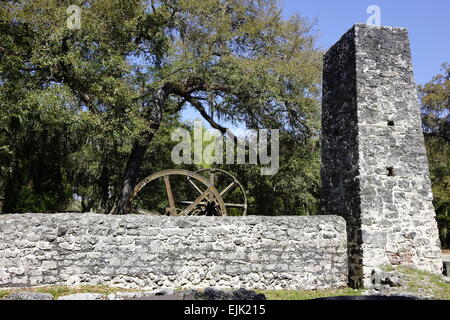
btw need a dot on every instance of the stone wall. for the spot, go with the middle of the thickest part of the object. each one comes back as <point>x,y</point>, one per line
<point>179,252</point>
<point>374,162</point>
<point>339,161</point>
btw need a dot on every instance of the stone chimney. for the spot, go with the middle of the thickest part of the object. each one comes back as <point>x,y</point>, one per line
<point>374,163</point>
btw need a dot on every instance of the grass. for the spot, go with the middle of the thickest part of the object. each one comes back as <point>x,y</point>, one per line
<point>418,282</point>
<point>58,291</point>
<point>308,294</point>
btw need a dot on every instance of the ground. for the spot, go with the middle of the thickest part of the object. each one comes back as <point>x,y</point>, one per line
<point>58,291</point>
<point>309,294</point>
<point>417,283</point>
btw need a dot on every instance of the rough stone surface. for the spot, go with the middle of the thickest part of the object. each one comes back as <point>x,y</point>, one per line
<point>126,295</point>
<point>151,252</point>
<point>164,291</point>
<point>400,281</point>
<point>374,163</point>
<point>140,294</point>
<point>385,279</point>
<point>29,296</point>
<point>84,296</point>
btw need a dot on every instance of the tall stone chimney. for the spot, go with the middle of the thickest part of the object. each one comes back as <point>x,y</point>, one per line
<point>374,163</point>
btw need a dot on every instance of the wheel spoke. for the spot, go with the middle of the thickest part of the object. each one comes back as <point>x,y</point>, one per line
<point>196,202</point>
<point>186,203</point>
<point>212,178</point>
<point>228,188</point>
<point>170,195</point>
<point>235,205</point>
<point>192,183</point>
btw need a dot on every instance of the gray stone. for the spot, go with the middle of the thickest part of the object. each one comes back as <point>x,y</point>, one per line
<point>62,230</point>
<point>29,296</point>
<point>123,251</point>
<point>374,162</point>
<point>84,296</point>
<point>126,295</point>
<point>390,279</point>
<point>446,267</point>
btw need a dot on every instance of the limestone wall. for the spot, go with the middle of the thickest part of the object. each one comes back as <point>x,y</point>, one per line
<point>179,252</point>
<point>374,162</point>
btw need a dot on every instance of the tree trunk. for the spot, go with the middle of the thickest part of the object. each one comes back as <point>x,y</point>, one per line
<point>86,205</point>
<point>154,117</point>
<point>130,177</point>
<point>103,188</point>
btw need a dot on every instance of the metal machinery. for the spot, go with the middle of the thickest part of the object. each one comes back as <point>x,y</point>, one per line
<point>207,199</point>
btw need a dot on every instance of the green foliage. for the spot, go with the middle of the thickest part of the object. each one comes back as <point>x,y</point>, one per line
<point>28,201</point>
<point>35,139</point>
<point>74,103</point>
<point>153,197</point>
<point>435,98</point>
<point>293,190</point>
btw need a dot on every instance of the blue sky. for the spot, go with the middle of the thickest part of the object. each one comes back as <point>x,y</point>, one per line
<point>428,23</point>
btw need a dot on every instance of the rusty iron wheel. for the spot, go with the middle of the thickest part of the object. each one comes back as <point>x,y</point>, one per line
<point>209,198</point>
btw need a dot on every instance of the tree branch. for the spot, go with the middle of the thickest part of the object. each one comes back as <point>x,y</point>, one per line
<point>198,105</point>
